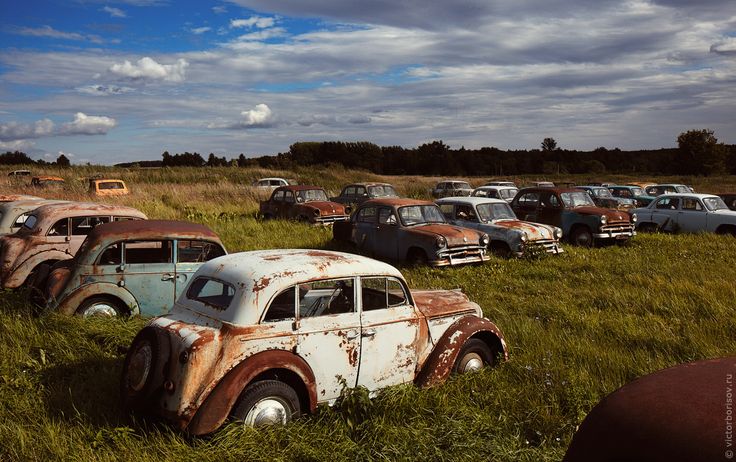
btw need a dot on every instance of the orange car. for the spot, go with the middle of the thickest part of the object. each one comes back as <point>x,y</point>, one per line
<point>108,187</point>
<point>47,181</point>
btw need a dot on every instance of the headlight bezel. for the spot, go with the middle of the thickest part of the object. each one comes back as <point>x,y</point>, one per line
<point>440,242</point>
<point>484,240</point>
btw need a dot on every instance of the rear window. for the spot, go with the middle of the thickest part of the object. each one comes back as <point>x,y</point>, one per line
<point>30,222</point>
<point>111,185</point>
<point>211,292</point>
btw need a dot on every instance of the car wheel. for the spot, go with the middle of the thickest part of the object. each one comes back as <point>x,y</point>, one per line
<point>36,283</point>
<point>582,237</point>
<point>417,257</point>
<point>100,306</point>
<point>141,373</point>
<point>474,355</point>
<point>267,402</point>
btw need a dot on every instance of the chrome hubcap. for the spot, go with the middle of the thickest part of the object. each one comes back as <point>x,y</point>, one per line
<point>268,411</point>
<point>471,362</point>
<point>140,366</point>
<point>101,309</point>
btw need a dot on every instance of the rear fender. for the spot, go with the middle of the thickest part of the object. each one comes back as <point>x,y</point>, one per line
<point>438,365</point>
<point>69,304</point>
<point>18,276</point>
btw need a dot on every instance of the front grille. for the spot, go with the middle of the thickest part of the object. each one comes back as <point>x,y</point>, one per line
<point>546,245</point>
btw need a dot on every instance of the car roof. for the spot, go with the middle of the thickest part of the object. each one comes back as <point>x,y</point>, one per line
<point>368,184</point>
<point>151,229</point>
<point>27,205</point>
<point>698,195</point>
<point>470,200</point>
<point>396,202</point>
<point>453,181</point>
<point>496,187</point>
<point>100,180</point>
<point>49,214</point>
<point>300,187</point>
<point>271,178</point>
<point>542,189</point>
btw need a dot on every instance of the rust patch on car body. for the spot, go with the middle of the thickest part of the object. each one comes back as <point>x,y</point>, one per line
<point>433,303</point>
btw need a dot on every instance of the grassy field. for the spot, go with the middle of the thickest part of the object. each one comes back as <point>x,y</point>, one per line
<point>579,325</point>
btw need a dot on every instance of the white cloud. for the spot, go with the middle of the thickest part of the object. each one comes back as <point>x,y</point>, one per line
<point>50,32</point>
<point>725,47</point>
<point>259,22</point>
<point>17,145</point>
<point>13,131</point>
<point>88,125</point>
<point>147,68</point>
<point>200,30</point>
<point>104,90</point>
<point>219,9</point>
<point>260,116</point>
<point>114,12</point>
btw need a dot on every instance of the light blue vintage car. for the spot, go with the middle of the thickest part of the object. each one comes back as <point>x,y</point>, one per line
<point>131,267</point>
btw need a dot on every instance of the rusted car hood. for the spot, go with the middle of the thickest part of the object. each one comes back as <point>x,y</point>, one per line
<point>534,230</point>
<point>613,216</point>
<point>455,235</point>
<point>437,303</point>
<point>325,207</point>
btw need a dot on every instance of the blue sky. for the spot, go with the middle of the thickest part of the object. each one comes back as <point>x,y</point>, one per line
<point>116,81</point>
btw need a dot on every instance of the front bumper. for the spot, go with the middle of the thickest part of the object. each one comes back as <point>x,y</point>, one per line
<point>616,231</point>
<point>460,256</point>
<point>330,219</point>
<point>549,246</point>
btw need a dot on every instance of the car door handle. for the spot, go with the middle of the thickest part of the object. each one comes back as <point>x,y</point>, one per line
<point>369,332</point>
<point>352,334</point>
<point>167,277</point>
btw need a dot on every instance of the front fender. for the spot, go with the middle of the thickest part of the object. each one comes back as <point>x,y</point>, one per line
<point>19,275</point>
<point>438,365</point>
<point>216,407</point>
<point>69,303</point>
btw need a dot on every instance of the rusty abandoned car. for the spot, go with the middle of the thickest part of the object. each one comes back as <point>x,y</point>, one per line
<point>308,204</point>
<point>265,336</point>
<point>357,193</point>
<point>52,233</point>
<point>508,235</point>
<point>108,187</point>
<point>602,197</point>
<point>411,230</point>
<point>452,188</point>
<point>687,213</point>
<point>575,212</point>
<point>14,214</point>
<point>678,414</point>
<point>131,267</point>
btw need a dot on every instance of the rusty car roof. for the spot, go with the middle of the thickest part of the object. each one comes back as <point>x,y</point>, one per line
<point>261,274</point>
<point>396,202</point>
<point>151,229</point>
<point>18,197</point>
<point>48,178</point>
<point>49,214</point>
<point>100,180</point>
<point>470,200</point>
<point>544,189</point>
<point>368,183</point>
<point>297,187</point>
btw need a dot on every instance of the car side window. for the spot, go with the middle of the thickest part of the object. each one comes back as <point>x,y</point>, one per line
<point>82,226</point>
<point>530,199</point>
<point>386,216</point>
<point>691,203</point>
<point>112,255</point>
<point>147,252</point>
<point>448,210</point>
<point>326,297</point>
<point>197,251</point>
<point>211,292</point>
<point>367,215</point>
<point>289,197</point>
<point>282,307</point>
<point>349,191</point>
<point>553,201</point>
<point>60,228</point>
<point>381,293</point>
<point>19,221</point>
<point>465,212</point>
<point>278,196</point>
<point>668,203</point>
<point>360,191</point>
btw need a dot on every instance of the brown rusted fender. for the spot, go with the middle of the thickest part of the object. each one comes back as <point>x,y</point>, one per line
<point>684,413</point>
<point>438,365</point>
<point>217,406</point>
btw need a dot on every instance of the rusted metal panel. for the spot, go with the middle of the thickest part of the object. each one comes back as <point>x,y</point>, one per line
<point>681,413</point>
<point>18,197</point>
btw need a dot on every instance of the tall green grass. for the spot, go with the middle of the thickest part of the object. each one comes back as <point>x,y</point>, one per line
<point>579,325</point>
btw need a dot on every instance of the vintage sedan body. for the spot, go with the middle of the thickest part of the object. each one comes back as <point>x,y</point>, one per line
<point>53,233</point>
<point>603,198</point>
<point>689,213</point>
<point>108,187</point>
<point>508,235</point>
<point>501,183</point>
<point>659,189</point>
<point>303,203</point>
<point>631,192</point>
<point>269,184</point>
<point>18,197</point>
<point>357,193</point>
<point>411,230</point>
<point>47,182</point>
<point>452,188</point>
<point>506,193</point>
<point>267,335</point>
<point>131,267</point>
<point>575,212</point>
<point>14,214</point>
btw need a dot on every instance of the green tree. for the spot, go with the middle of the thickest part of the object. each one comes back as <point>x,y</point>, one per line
<point>701,153</point>
<point>549,145</point>
<point>62,161</point>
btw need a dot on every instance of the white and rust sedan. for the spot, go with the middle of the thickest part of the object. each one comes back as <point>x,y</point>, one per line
<point>265,336</point>
<point>688,213</point>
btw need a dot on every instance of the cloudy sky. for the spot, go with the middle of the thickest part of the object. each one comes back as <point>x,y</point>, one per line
<point>113,81</point>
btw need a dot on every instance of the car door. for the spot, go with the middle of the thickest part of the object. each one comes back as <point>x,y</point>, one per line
<point>665,212</point>
<point>692,216</point>
<point>81,227</point>
<point>328,334</point>
<point>365,228</point>
<point>149,274</point>
<point>549,210</point>
<point>389,332</point>
<point>190,254</point>
<point>385,244</point>
<point>525,206</point>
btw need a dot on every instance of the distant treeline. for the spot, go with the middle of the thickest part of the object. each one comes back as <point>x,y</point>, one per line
<point>698,153</point>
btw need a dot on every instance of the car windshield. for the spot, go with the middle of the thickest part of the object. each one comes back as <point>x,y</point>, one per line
<point>495,211</point>
<point>508,193</point>
<point>577,199</point>
<point>308,195</point>
<point>420,215</point>
<point>715,203</point>
<point>382,191</point>
<point>602,192</point>
<point>637,191</point>
<point>461,185</point>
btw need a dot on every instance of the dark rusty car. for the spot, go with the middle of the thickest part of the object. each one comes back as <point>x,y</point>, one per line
<point>308,204</point>
<point>357,193</point>
<point>684,413</point>
<point>131,267</point>
<point>575,212</point>
<point>602,197</point>
<point>411,230</point>
<point>52,233</point>
<point>264,336</point>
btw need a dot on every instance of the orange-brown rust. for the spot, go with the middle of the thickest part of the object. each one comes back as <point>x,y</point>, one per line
<point>435,303</point>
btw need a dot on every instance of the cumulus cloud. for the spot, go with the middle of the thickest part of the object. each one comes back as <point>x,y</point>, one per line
<point>88,125</point>
<point>259,116</point>
<point>259,22</point>
<point>13,131</point>
<point>17,145</point>
<point>114,12</point>
<point>726,47</point>
<point>104,90</point>
<point>147,68</point>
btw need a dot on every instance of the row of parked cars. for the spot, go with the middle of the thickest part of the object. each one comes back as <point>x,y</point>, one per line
<point>261,336</point>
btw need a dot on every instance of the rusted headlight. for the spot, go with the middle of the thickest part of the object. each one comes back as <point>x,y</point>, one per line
<point>633,218</point>
<point>316,212</point>
<point>484,240</point>
<point>348,210</point>
<point>558,233</point>
<point>604,220</point>
<point>524,237</point>
<point>441,242</point>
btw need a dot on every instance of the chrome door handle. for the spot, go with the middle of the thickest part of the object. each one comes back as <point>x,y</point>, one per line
<point>369,332</point>
<point>352,334</point>
<point>167,277</point>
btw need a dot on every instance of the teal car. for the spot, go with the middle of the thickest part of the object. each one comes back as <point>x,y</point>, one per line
<point>641,198</point>
<point>131,267</point>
